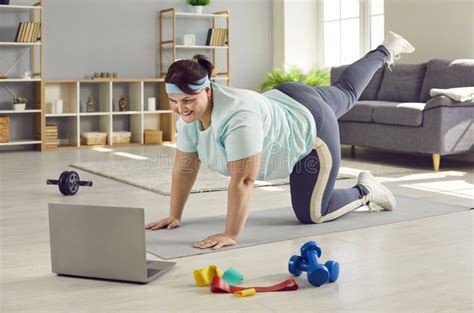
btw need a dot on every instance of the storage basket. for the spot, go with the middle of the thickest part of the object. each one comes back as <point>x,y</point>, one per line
<point>93,138</point>
<point>121,137</point>
<point>153,136</point>
<point>4,129</point>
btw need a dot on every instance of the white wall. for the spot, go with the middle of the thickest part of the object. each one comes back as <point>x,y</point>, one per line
<point>437,28</point>
<point>87,36</point>
<point>295,32</point>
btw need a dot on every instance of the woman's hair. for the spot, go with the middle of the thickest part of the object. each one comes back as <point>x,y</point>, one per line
<point>184,72</point>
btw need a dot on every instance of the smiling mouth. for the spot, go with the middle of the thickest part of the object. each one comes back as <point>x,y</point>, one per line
<point>187,113</point>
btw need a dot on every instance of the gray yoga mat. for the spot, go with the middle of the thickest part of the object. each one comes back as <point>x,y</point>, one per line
<point>280,224</point>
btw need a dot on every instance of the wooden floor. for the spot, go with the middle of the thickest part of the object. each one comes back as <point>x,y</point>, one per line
<point>420,265</point>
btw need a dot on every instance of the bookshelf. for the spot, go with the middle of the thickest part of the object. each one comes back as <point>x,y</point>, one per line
<point>26,126</point>
<point>107,118</point>
<point>176,18</point>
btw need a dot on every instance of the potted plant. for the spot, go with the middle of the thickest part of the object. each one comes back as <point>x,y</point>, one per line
<point>19,103</point>
<point>198,4</point>
<point>315,77</point>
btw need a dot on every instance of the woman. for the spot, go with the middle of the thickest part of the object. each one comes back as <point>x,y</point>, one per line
<point>290,130</point>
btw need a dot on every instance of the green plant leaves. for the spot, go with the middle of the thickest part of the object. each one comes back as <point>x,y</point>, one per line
<point>16,100</point>
<point>315,77</point>
<point>199,2</point>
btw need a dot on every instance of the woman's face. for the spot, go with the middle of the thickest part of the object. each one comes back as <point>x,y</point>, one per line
<point>190,107</point>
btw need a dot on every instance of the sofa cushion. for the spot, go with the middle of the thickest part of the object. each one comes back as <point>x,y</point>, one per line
<point>370,92</point>
<point>447,74</point>
<point>403,84</point>
<point>362,111</point>
<point>404,114</point>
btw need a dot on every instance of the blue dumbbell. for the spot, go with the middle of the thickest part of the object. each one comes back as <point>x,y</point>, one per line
<point>317,273</point>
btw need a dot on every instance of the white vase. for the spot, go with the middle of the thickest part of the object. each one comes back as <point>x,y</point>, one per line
<point>58,106</point>
<point>151,104</point>
<point>197,9</point>
<point>19,106</point>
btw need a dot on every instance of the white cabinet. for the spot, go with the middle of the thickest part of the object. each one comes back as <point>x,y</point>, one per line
<point>107,116</point>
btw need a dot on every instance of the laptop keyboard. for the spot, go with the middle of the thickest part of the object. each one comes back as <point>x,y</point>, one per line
<point>152,271</point>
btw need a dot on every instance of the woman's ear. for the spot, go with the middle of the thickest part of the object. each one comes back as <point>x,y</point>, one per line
<point>208,92</point>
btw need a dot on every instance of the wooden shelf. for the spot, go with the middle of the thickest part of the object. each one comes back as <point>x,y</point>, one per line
<point>34,119</point>
<point>158,112</point>
<point>19,112</point>
<point>19,80</point>
<point>94,113</point>
<point>108,80</point>
<point>126,113</point>
<point>61,115</point>
<point>18,142</point>
<point>167,44</point>
<point>220,78</point>
<point>198,47</point>
<point>107,117</point>
<point>20,44</point>
<point>201,15</point>
<point>19,7</point>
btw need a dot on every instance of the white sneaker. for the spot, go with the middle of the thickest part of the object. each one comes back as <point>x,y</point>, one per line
<point>380,197</point>
<point>396,45</point>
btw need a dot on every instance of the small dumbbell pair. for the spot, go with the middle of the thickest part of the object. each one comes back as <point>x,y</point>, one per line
<point>317,273</point>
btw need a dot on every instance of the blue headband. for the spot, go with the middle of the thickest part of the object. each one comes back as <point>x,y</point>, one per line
<point>200,84</point>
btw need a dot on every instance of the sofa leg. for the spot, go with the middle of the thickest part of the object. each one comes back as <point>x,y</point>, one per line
<point>353,151</point>
<point>436,161</point>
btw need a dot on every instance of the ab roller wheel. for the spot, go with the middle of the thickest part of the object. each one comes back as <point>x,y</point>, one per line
<point>68,183</point>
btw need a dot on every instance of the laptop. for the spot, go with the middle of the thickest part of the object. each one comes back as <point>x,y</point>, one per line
<point>102,242</point>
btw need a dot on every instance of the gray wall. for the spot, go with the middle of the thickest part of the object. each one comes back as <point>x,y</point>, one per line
<point>86,36</point>
<point>437,28</point>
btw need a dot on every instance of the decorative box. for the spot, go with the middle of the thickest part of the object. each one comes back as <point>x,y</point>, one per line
<point>4,129</point>
<point>93,138</point>
<point>153,136</point>
<point>121,137</point>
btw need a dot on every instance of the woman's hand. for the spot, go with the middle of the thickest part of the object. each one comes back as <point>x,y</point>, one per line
<point>216,241</point>
<point>169,222</point>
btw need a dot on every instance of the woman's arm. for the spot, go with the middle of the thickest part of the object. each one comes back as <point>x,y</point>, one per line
<point>242,177</point>
<point>185,170</point>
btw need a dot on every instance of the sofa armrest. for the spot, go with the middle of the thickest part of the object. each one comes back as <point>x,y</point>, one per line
<point>443,101</point>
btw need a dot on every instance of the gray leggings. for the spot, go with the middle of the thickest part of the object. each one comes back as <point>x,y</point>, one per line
<point>312,181</point>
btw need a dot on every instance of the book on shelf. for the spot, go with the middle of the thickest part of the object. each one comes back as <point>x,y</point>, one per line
<point>18,32</point>
<point>28,32</point>
<point>208,39</point>
<point>212,37</point>
<point>216,37</point>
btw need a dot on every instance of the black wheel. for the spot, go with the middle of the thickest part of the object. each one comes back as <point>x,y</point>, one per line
<point>61,184</point>
<point>72,183</point>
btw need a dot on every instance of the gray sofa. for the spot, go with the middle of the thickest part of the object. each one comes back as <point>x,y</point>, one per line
<point>395,111</point>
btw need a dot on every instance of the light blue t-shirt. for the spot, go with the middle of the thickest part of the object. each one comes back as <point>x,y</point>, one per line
<point>245,123</point>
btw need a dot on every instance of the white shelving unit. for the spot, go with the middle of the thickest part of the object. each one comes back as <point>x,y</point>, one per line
<point>170,44</point>
<point>32,117</point>
<point>108,118</point>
